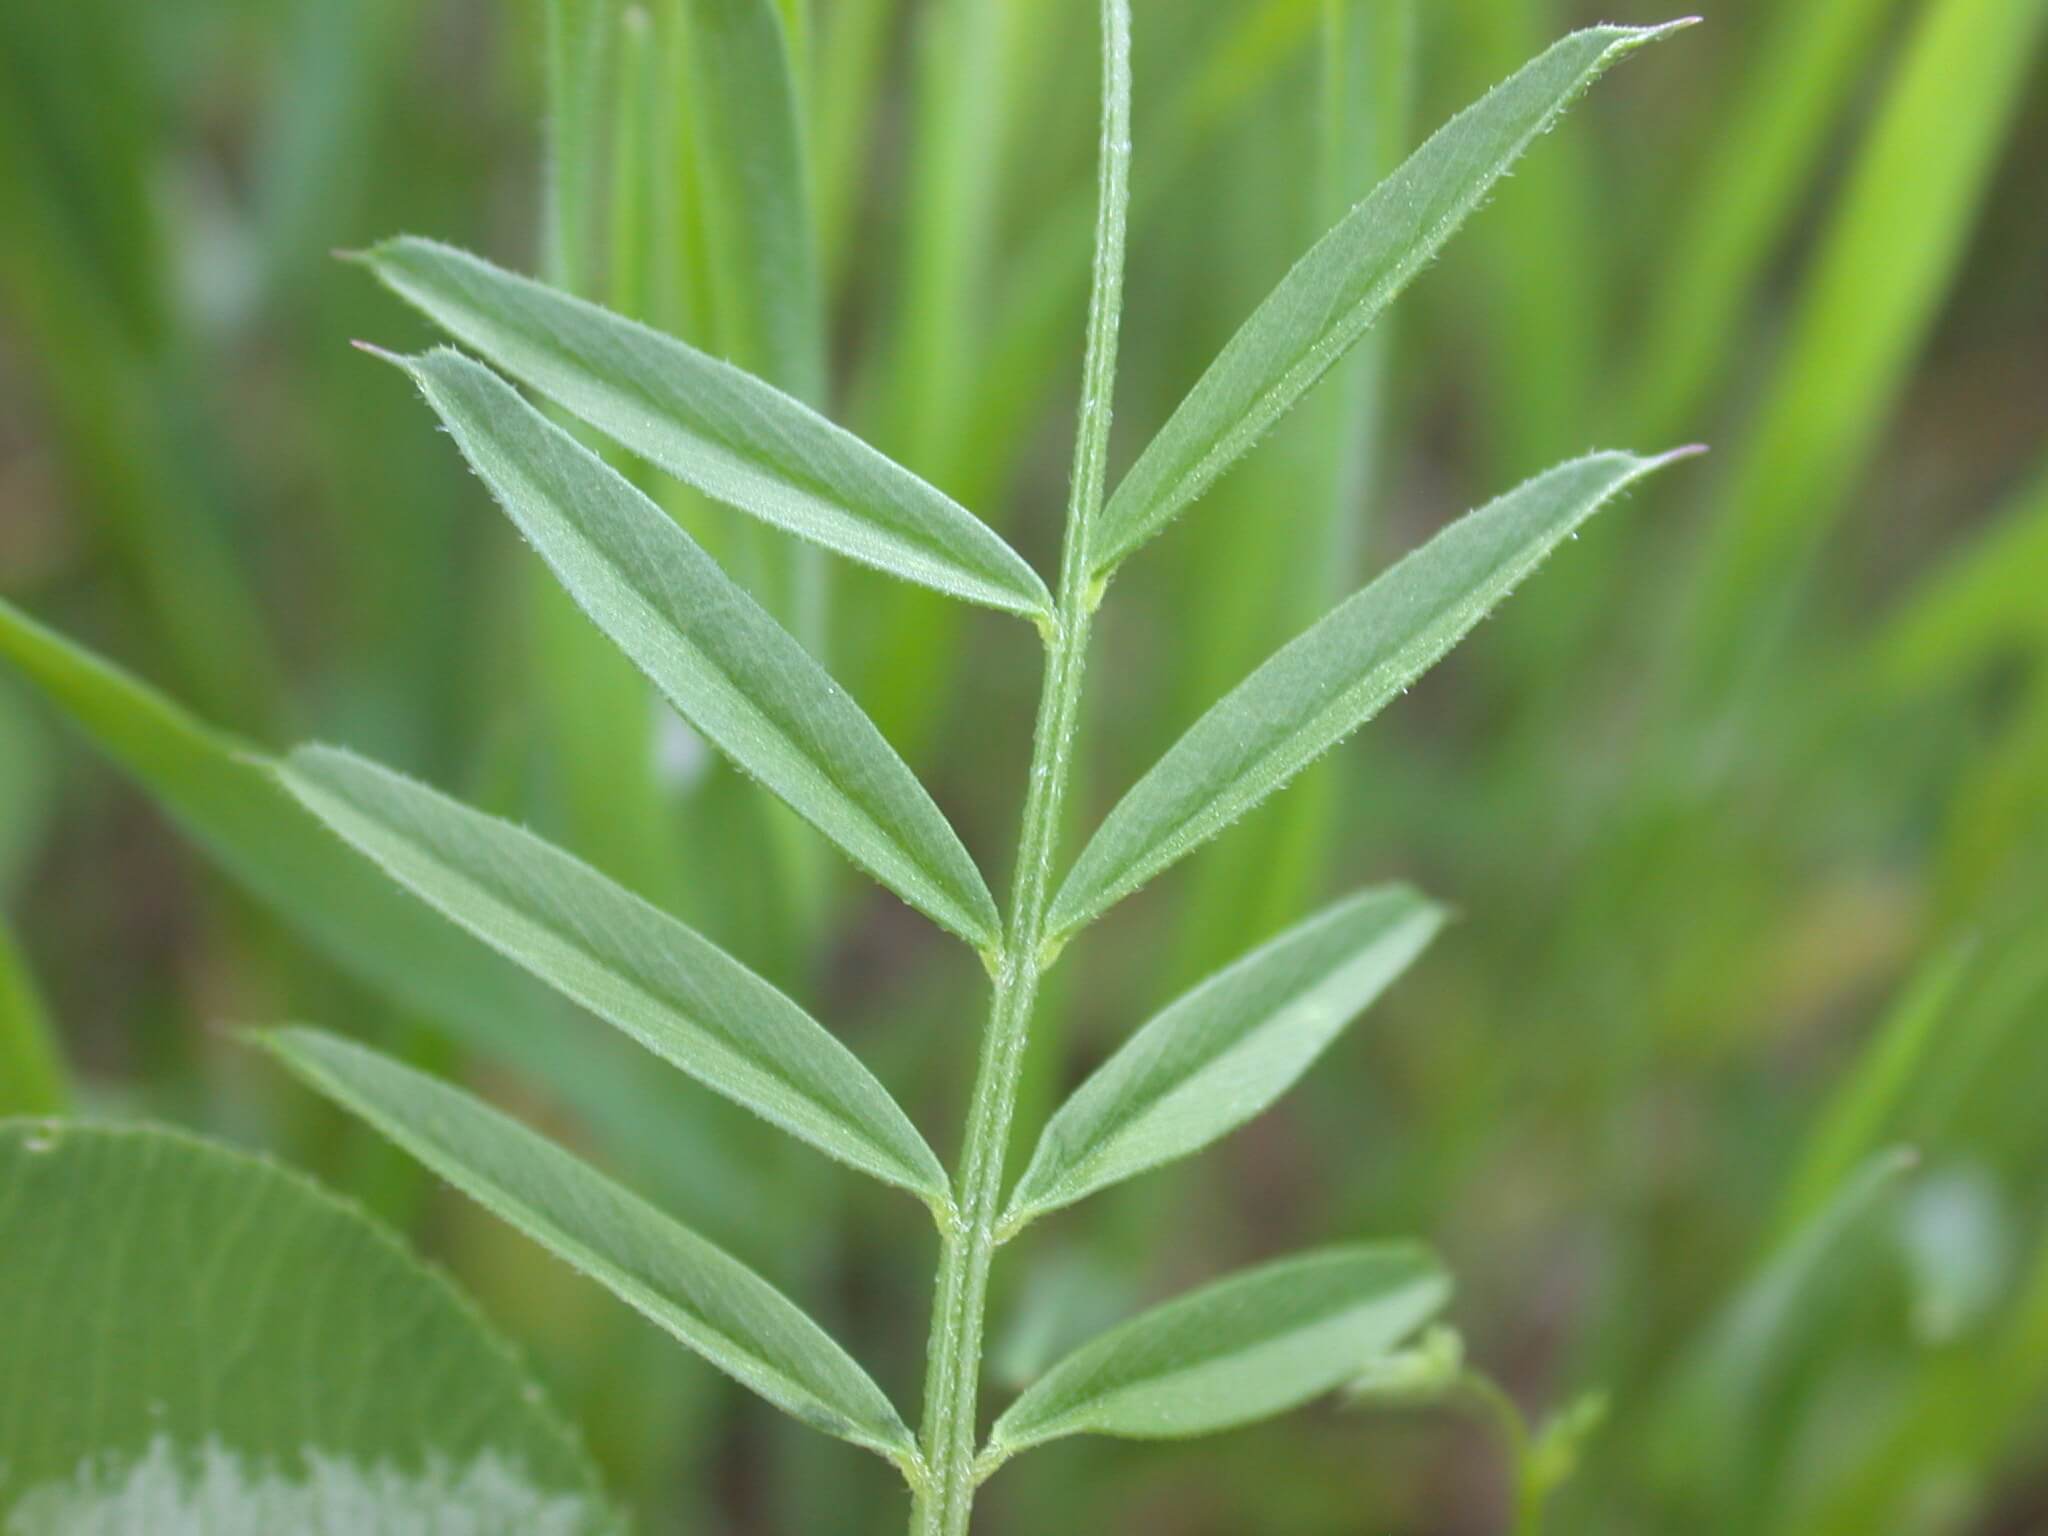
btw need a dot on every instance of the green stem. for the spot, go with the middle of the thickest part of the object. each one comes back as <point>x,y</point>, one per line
<point>953,1370</point>
<point>1486,1397</point>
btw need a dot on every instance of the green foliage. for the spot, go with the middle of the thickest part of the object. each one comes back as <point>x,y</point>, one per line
<point>31,1074</point>
<point>398,1410</point>
<point>1886,261</point>
<point>736,439</point>
<point>222,793</point>
<point>1744,799</point>
<point>698,1293</point>
<point>1332,679</point>
<point>628,963</point>
<point>1238,1350</point>
<point>1344,282</point>
<point>1218,1056</point>
<point>722,660</point>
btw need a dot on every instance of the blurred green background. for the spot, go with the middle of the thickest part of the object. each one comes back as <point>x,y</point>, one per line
<point>1743,801</point>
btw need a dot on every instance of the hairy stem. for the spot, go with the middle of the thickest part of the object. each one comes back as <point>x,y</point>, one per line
<point>953,1364</point>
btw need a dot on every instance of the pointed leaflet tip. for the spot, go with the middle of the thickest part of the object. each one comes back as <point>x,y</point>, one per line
<point>1672,456</point>
<point>381,353</point>
<point>1629,39</point>
<point>1663,28</point>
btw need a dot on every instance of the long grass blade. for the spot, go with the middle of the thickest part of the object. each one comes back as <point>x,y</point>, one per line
<point>1860,1111</point>
<point>1889,256</point>
<point>1802,69</point>
<point>221,792</point>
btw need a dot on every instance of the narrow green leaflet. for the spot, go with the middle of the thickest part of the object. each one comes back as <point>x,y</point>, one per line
<point>195,1340</point>
<point>1226,1050</point>
<point>726,432</point>
<point>626,961</point>
<point>702,1295</point>
<point>732,671</point>
<point>1347,278</point>
<point>1330,680</point>
<point>1245,1348</point>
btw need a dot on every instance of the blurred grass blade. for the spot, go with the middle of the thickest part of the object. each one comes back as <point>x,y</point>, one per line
<point>218,790</point>
<point>735,673</point>
<point>222,794</point>
<point>28,780</point>
<point>634,966</point>
<point>1966,1412</point>
<point>1331,679</point>
<point>1889,256</point>
<point>580,37</point>
<point>32,1079</point>
<point>1806,62</point>
<point>693,1290</point>
<point>633,252</point>
<point>853,50</point>
<point>766,302</point>
<point>1245,1348</point>
<point>755,193</point>
<point>732,436</point>
<point>1982,601</point>
<point>1724,1384</point>
<point>1222,1053</point>
<point>1347,278</point>
<point>955,185</point>
<point>1860,1110</point>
